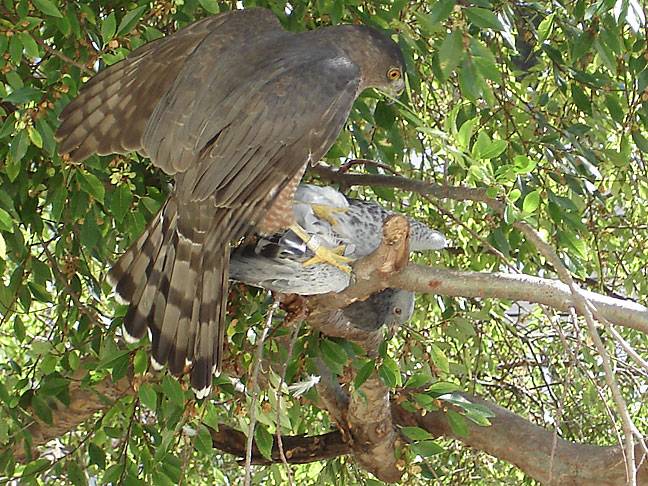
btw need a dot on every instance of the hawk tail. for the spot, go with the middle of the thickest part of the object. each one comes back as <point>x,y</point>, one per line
<point>176,283</point>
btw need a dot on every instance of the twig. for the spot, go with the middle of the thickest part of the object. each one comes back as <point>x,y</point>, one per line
<point>252,386</point>
<point>625,345</point>
<point>63,57</point>
<point>293,339</point>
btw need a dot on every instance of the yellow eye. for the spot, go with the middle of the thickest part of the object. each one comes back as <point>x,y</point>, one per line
<point>393,74</point>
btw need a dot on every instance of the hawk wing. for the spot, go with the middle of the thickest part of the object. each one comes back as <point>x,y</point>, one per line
<point>236,133</point>
<point>114,107</point>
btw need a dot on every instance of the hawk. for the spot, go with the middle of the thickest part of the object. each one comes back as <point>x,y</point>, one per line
<point>234,108</point>
<point>282,262</point>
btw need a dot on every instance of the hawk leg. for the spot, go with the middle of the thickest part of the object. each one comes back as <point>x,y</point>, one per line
<point>322,254</point>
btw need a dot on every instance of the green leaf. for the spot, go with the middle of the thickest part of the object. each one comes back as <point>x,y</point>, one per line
<point>35,137</point>
<point>523,164</point>
<point>478,418</point>
<point>173,391</point>
<point>485,148</point>
<point>210,5</point>
<point>390,373</point>
<point>111,357</point>
<point>112,474</point>
<point>483,18</point>
<point>531,202</point>
<point>640,141</point>
<point>108,28</point>
<point>6,223</point>
<point>130,19</point>
<point>47,7</point>
<point>418,379</point>
<point>147,396</point>
<point>263,440</point>
<point>140,362</point>
<point>97,456</point>
<point>614,108</point>
<point>451,53</point>
<point>416,433</point>
<point>581,100</point>
<point>58,202</point>
<point>90,233</point>
<point>35,467</point>
<point>545,28</point>
<point>364,373</point>
<point>333,351</point>
<point>19,329</point>
<point>443,387</point>
<point>427,448</point>
<point>39,292</point>
<point>91,185</point>
<point>457,423</point>
<point>384,115</point>
<point>485,61</point>
<point>75,475</point>
<point>439,358</point>
<point>74,360</point>
<point>29,44</point>
<point>495,149</point>
<point>17,151</point>
<point>42,409</point>
<point>465,133</point>
<point>203,442</point>
<point>121,202</point>
<point>440,11</point>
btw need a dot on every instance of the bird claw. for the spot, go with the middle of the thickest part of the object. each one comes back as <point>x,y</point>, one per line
<point>334,257</point>
<point>326,212</point>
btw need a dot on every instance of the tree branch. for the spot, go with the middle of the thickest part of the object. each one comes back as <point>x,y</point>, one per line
<point>518,287</point>
<point>510,438</point>
<point>364,415</point>
<point>528,446</point>
<point>85,401</point>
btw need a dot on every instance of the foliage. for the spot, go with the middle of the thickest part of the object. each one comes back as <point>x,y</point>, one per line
<point>543,103</point>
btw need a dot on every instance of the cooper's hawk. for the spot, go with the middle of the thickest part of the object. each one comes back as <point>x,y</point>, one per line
<point>234,107</point>
<point>278,262</point>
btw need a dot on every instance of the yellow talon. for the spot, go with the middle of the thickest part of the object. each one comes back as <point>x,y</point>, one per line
<point>330,256</point>
<point>327,212</point>
<point>322,254</point>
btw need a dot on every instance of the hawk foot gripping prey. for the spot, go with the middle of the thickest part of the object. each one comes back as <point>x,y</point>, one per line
<point>332,256</point>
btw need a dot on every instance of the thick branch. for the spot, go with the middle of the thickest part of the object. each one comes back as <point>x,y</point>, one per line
<point>518,287</point>
<point>84,402</point>
<point>528,446</point>
<point>299,449</point>
<point>364,416</point>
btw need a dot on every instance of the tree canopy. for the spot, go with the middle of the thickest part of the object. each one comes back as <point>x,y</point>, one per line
<point>522,136</point>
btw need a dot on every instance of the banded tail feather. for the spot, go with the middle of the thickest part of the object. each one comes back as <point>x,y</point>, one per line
<point>175,282</point>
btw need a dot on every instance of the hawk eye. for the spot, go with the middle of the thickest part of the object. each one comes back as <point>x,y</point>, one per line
<point>398,311</point>
<point>393,74</point>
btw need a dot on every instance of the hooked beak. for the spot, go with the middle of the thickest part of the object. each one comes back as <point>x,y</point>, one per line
<point>395,90</point>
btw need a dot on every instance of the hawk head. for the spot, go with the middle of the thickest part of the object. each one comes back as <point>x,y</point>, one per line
<point>386,72</point>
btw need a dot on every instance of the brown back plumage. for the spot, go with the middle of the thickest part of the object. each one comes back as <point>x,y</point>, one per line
<point>233,106</point>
